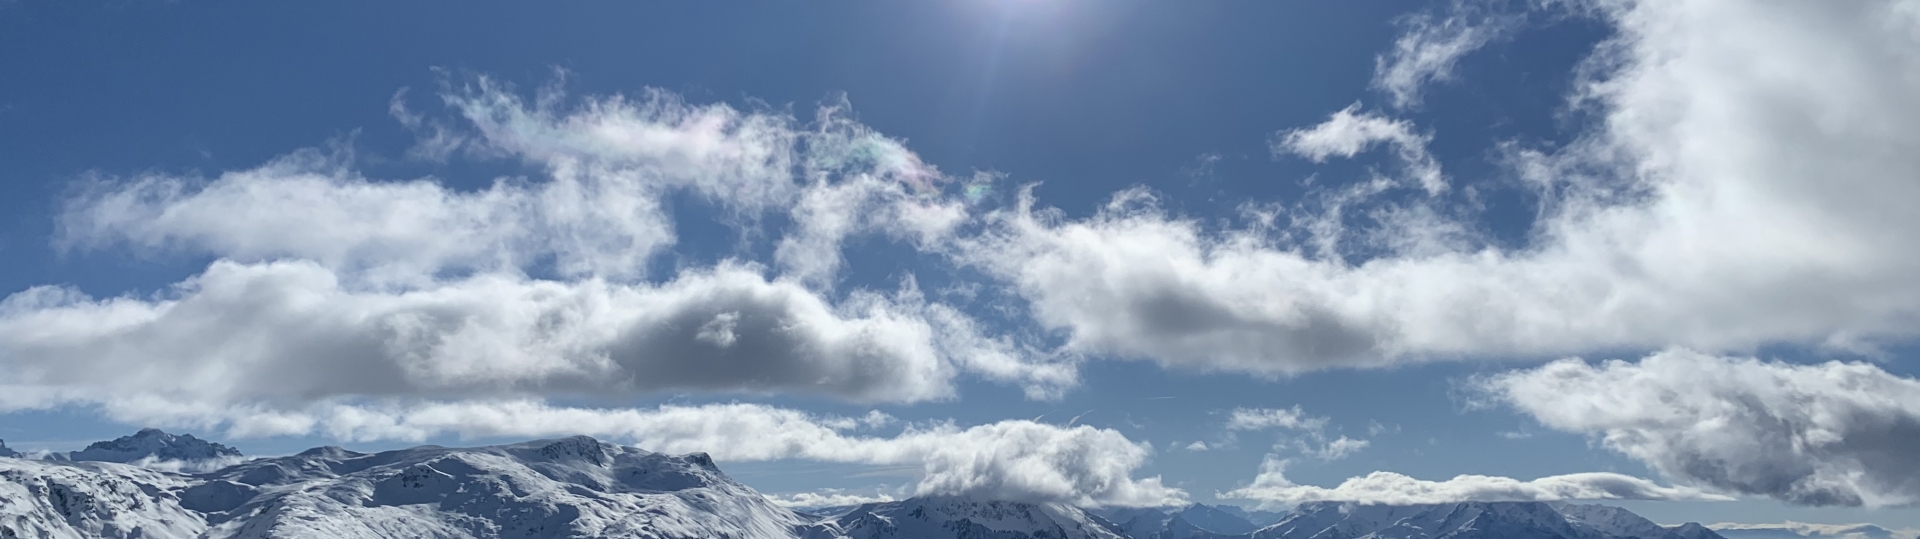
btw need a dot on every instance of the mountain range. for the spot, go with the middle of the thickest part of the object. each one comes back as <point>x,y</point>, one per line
<point>582,487</point>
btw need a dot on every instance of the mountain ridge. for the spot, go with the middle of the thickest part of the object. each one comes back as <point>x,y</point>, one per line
<point>580,486</point>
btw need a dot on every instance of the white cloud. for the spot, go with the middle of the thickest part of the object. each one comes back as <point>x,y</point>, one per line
<point>1349,132</point>
<point>1268,418</point>
<point>292,332</point>
<point>1272,488</point>
<point>309,206</point>
<point>743,159</point>
<point>1744,184</point>
<point>598,211</point>
<point>1433,44</point>
<point>827,498</point>
<point>1313,440</point>
<point>1827,434</point>
<point>1335,449</point>
<point>327,272</point>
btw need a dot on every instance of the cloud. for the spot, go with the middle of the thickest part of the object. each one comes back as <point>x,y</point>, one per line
<point>308,205</point>
<point>1009,460</point>
<point>1349,132</point>
<point>292,332</point>
<point>1742,183</point>
<point>1433,43</point>
<point>598,211</point>
<point>1272,488</point>
<point>827,498</point>
<point>1269,418</point>
<point>1827,434</point>
<point>1313,441</point>
<point>743,159</point>
<point>323,271</point>
<point>1335,449</point>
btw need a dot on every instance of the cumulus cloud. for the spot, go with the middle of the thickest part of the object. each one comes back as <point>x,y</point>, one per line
<point>1743,183</point>
<point>1827,434</point>
<point>1271,488</point>
<point>323,271</point>
<point>1349,132</point>
<point>597,212</point>
<point>291,332</point>
<point>308,205</point>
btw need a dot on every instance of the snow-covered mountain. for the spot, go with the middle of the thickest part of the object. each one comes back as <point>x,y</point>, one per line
<point>1259,519</point>
<point>7,452</point>
<point>949,517</point>
<point>571,487</point>
<point>1467,520</point>
<point>152,444</point>
<point>581,487</point>
<point>1215,519</point>
<point>1615,521</point>
<point>1802,530</point>
<point>1196,521</point>
<point>78,500</point>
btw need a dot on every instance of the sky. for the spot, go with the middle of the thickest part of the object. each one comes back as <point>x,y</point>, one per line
<point>1119,253</point>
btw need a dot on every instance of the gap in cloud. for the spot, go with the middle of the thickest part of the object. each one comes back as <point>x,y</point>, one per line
<point>1514,91</point>
<point>707,235</point>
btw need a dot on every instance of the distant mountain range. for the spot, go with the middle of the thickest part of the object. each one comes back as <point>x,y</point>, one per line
<point>581,487</point>
<point>1801,530</point>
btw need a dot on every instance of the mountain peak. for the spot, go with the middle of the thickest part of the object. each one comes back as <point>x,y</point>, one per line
<point>962,516</point>
<point>7,452</point>
<point>1612,521</point>
<point>567,487</point>
<point>156,444</point>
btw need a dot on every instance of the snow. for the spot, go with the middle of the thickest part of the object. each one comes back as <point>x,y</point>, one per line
<point>1798,530</point>
<point>1215,520</point>
<point>569,487</point>
<point>1467,520</point>
<point>153,444</point>
<point>937,517</point>
<point>59,500</point>
<point>581,487</point>
<point>1194,521</point>
<point>1613,521</point>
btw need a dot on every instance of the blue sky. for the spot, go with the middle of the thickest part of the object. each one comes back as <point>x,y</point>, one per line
<point>1244,248</point>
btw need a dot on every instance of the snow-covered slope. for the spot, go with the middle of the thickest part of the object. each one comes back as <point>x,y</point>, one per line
<point>947,517</point>
<point>1693,530</point>
<point>571,487</point>
<point>1196,521</point>
<point>1614,521</point>
<point>153,444</point>
<point>1137,522</point>
<point>82,500</point>
<point>1259,519</point>
<point>1801,530</point>
<point>1468,520</point>
<point>1213,519</point>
